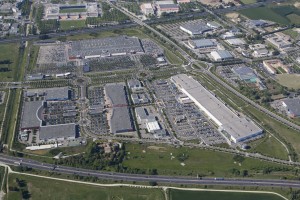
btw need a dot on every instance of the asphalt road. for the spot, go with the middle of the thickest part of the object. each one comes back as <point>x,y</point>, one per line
<point>146,178</point>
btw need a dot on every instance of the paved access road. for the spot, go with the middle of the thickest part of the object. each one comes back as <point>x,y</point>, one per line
<point>9,160</point>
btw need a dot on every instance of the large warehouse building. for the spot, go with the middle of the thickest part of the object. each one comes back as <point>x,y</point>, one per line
<point>195,28</point>
<point>234,127</point>
<point>119,115</point>
<point>111,46</point>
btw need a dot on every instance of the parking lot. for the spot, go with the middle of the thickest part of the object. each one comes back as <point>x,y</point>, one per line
<point>98,119</point>
<point>111,63</point>
<point>60,112</point>
<point>185,118</point>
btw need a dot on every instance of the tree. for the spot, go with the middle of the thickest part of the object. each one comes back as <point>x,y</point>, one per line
<point>152,183</point>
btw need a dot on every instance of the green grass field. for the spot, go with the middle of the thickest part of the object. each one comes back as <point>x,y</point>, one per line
<point>74,24</point>
<point>294,34</point>
<point>285,15</point>
<point>9,52</point>
<point>268,146</point>
<point>201,162</point>
<point>248,1</point>
<point>289,80</point>
<point>294,18</point>
<point>72,10</point>
<point>46,189</point>
<point>2,176</point>
<point>264,13</point>
<point>212,195</point>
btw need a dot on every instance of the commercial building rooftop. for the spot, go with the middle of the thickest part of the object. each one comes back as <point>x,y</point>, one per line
<point>245,73</point>
<point>30,118</point>
<point>121,121</point>
<point>116,94</point>
<point>195,28</point>
<point>58,131</point>
<point>238,128</point>
<point>293,106</point>
<point>221,55</point>
<point>51,94</point>
<point>119,45</point>
<point>202,43</point>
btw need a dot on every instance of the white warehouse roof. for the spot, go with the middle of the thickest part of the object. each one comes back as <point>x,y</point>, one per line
<point>152,126</point>
<point>238,128</point>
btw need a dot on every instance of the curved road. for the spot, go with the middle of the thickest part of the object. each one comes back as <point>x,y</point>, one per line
<point>8,160</point>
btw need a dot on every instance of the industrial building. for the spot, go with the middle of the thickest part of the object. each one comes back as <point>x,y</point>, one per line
<point>273,65</point>
<point>59,11</point>
<point>235,41</point>
<point>245,74</point>
<point>135,85</point>
<point>51,94</point>
<point>58,132</point>
<point>30,115</point>
<point>119,115</point>
<point>221,55</point>
<point>36,112</point>
<point>167,8</point>
<point>146,119</point>
<point>233,127</point>
<point>195,28</point>
<point>147,9</point>
<point>292,107</point>
<point>104,47</point>
<point>279,42</point>
<point>202,43</point>
<point>213,24</point>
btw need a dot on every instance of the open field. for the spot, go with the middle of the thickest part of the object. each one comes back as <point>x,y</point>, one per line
<point>8,61</point>
<point>292,33</point>
<point>212,195</point>
<point>294,18</point>
<point>264,13</point>
<point>198,161</point>
<point>46,189</point>
<point>289,80</point>
<point>268,146</point>
<point>248,1</point>
<point>72,10</point>
<point>280,14</point>
<point>74,24</point>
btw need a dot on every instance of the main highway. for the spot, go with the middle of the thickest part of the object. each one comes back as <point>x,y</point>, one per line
<point>9,160</point>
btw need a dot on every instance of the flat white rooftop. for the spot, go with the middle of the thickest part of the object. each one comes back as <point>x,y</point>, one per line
<point>239,128</point>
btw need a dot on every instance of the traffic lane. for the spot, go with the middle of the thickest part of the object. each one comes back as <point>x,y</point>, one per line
<point>143,178</point>
<point>29,162</point>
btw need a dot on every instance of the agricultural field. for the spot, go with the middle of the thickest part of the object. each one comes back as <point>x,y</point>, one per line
<point>289,80</point>
<point>69,25</point>
<point>284,15</point>
<point>193,162</point>
<point>8,61</point>
<point>212,195</point>
<point>35,188</point>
